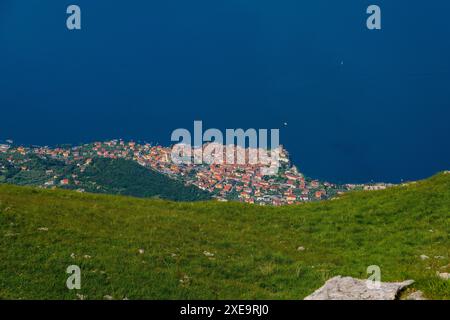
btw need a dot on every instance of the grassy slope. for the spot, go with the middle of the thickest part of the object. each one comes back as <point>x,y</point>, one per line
<point>255,247</point>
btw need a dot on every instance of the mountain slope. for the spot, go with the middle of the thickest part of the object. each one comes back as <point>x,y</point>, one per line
<point>209,250</point>
<point>102,175</point>
<point>126,177</point>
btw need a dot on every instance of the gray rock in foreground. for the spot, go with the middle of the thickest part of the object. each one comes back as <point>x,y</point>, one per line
<point>348,288</point>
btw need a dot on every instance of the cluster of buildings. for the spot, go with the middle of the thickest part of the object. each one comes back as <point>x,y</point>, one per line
<point>243,182</point>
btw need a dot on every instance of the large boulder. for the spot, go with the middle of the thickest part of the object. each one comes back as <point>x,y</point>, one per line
<point>348,288</point>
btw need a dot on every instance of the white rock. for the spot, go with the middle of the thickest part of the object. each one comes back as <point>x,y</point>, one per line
<point>11,234</point>
<point>108,297</point>
<point>348,288</point>
<point>81,296</point>
<point>43,229</point>
<point>443,275</point>
<point>424,257</point>
<point>185,279</point>
<point>141,251</point>
<point>301,248</point>
<point>208,254</point>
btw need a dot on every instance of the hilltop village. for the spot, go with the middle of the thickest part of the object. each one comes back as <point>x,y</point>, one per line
<point>225,182</point>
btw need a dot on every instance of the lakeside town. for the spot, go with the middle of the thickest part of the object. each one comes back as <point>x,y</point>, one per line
<point>224,181</point>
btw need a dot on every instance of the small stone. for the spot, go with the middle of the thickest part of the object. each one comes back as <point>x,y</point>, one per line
<point>208,254</point>
<point>185,279</point>
<point>424,257</point>
<point>108,297</point>
<point>11,234</point>
<point>439,257</point>
<point>81,296</point>
<point>86,256</point>
<point>443,275</point>
<point>416,295</point>
<point>301,248</point>
<point>141,251</point>
<point>43,229</point>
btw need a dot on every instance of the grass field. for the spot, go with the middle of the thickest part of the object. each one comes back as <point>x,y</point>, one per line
<point>213,250</point>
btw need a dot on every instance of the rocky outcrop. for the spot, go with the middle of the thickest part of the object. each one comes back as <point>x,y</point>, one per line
<point>348,288</point>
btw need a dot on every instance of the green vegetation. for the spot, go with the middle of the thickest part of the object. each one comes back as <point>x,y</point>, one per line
<point>35,175</point>
<point>113,176</point>
<point>255,248</point>
<point>126,177</point>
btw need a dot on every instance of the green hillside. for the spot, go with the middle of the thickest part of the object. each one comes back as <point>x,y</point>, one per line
<point>126,177</point>
<point>209,250</point>
<point>112,176</point>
